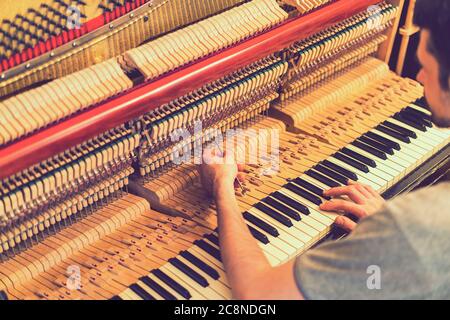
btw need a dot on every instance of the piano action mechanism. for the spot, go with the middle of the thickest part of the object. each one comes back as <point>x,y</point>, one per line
<point>93,203</point>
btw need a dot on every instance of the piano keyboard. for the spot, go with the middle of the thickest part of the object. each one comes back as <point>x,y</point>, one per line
<point>288,221</point>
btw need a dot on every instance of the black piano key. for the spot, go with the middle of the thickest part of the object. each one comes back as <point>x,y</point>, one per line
<point>210,271</point>
<point>117,298</point>
<point>376,145</point>
<point>258,235</point>
<point>141,292</point>
<point>273,214</point>
<point>303,193</point>
<point>182,291</point>
<point>189,272</point>
<point>261,224</point>
<point>393,134</point>
<point>213,239</point>
<point>209,249</point>
<point>359,157</point>
<point>355,164</point>
<point>349,174</point>
<point>282,208</point>
<point>410,123</point>
<point>322,178</point>
<point>416,113</point>
<point>400,129</point>
<point>332,174</point>
<point>310,187</point>
<point>291,202</point>
<point>428,123</point>
<point>419,122</point>
<point>422,103</point>
<point>383,140</point>
<point>158,289</point>
<point>370,150</point>
<point>420,113</point>
<point>413,118</point>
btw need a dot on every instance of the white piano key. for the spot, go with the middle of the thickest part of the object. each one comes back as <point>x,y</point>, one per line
<point>292,235</point>
<point>325,218</point>
<point>388,165</point>
<point>410,149</point>
<point>165,286</point>
<point>292,243</point>
<point>365,178</point>
<point>197,292</point>
<point>426,137</point>
<point>277,247</point>
<point>214,262</point>
<point>302,232</point>
<point>149,290</point>
<point>129,294</point>
<point>218,287</point>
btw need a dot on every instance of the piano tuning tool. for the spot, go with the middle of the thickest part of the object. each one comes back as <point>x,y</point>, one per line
<point>119,216</point>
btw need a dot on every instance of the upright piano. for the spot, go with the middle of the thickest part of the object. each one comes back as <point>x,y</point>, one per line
<point>104,105</point>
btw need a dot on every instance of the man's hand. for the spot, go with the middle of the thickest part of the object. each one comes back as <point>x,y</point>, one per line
<point>219,169</point>
<point>361,201</point>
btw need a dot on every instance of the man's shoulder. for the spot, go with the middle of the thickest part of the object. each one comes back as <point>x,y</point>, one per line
<point>423,216</point>
<point>433,200</point>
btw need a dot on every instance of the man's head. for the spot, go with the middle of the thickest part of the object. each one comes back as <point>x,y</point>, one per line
<point>433,16</point>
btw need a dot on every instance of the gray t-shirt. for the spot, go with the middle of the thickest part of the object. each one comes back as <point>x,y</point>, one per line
<point>403,252</point>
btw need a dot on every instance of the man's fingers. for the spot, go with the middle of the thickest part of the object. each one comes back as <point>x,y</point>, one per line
<point>345,206</point>
<point>361,187</point>
<point>241,176</point>
<point>345,223</point>
<point>241,167</point>
<point>350,191</point>
<point>372,191</point>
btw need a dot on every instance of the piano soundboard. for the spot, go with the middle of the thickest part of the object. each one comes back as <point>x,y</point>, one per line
<point>93,202</point>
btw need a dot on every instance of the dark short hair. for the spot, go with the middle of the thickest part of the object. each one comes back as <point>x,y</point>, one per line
<point>434,16</point>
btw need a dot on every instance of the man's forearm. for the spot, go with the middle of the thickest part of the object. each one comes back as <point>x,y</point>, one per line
<point>242,257</point>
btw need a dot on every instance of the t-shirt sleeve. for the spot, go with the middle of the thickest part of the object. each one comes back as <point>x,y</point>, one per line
<point>375,262</point>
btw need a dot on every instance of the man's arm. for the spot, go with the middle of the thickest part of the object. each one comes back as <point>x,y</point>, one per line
<point>250,275</point>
